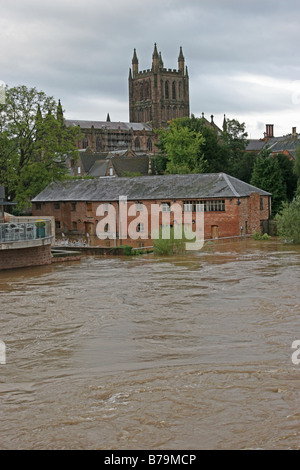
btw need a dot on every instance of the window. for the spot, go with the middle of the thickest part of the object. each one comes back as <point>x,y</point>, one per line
<point>140,227</point>
<point>85,143</point>
<point>38,207</point>
<point>56,206</point>
<point>78,170</point>
<point>217,205</point>
<point>111,172</point>
<point>74,225</point>
<point>106,228</point>
<point>139,206</point>
<point>165,207</point>
<point>188,206</point>
<point>149,144</point>
<point>73,206</point>
<point>261,203</point>
<point>141,92</point>
<point>137,144</point>
<point>173,91</point>
<point>98,144</point>
<point>57,224</point>
<point>167,90</point>
<point>89,209</point>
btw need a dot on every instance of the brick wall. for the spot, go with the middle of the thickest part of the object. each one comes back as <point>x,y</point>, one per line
<point>77,219</point>
<point>25,257</point>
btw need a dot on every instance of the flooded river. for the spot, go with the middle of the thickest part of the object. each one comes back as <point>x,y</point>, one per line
<point>185,352</point>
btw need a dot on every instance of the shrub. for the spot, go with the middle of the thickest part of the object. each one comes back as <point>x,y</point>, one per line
<point>288,221</point>
<point>259,236</point>
<point>170,245</point>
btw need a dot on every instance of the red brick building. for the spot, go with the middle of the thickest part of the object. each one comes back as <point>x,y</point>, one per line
<point>230,206</point>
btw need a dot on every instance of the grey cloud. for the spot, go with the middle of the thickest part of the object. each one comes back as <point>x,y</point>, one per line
<point>76,50</point>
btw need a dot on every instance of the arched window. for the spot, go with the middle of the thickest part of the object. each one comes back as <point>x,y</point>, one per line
<point>147,91</point>
<point>167,90</point>
<point>98,144</point>
<point>141,92</point>
<point>174,91</point>
<point>85,143</point>
<point>180,90</point>
<point>137,144</point>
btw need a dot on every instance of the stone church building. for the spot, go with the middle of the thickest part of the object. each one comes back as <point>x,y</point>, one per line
<point>156,96</point>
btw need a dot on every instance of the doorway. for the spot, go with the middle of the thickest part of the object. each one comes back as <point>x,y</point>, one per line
<point>214,231</point>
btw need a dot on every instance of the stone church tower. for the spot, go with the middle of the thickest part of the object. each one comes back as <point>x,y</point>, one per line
<point>158,95</point>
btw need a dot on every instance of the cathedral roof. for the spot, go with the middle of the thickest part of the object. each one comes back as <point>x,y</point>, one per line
<point>126,126</point>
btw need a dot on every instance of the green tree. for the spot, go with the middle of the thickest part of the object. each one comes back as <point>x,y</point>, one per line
<point>235,140</point>
<point>213,149</point>
<point>287,169</point>
<point>267,175</point>
<point>35,144</point>
<point>182,147</point>
<point>288,221</point>
<point>297,164</point>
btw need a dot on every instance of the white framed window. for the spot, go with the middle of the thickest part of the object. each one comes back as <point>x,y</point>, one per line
<point>188,206</point>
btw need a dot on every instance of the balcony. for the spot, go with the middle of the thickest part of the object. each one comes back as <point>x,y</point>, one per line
<point>25,231</point>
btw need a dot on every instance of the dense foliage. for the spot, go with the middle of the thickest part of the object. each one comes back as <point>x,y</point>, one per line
<point>35,144</point>
<point>193,145</point>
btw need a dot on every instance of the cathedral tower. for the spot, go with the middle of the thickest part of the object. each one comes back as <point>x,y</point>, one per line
<point>158,95</point>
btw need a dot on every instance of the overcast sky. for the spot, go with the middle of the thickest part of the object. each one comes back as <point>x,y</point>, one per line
<point>243,56</point>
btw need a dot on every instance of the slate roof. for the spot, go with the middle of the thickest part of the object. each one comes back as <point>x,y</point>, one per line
<point>161,187</point>
<point>99,168</point>
<point>280,144</point>
<point>131,164</point>
<point>88,159</point>
<point>255,145</point>
<point>126,126</point>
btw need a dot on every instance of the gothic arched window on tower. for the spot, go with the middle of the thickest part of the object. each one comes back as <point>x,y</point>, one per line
<point>147,91</point>
<point>180,90</point>
<point>137,144</point>
<point>141,92</point>
<point>167,90</point>
<point>174,91</point>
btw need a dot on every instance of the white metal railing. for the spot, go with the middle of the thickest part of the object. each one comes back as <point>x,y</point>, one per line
<point>19,231</point>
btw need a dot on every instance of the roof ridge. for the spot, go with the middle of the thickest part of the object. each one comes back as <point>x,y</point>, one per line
<point>226,177</point>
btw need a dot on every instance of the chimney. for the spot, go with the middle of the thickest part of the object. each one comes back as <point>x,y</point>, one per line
<point>294,132</point>
<point>269,130</point>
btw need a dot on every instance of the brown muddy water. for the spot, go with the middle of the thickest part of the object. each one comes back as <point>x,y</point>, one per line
<point>186,352</point>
